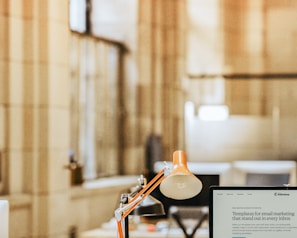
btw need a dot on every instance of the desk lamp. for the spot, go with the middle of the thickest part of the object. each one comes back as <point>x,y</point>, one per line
<point>179,184</point>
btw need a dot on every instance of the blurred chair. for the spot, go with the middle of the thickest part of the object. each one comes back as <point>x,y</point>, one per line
<point>189,219</point>
<point>254,179</point>
<point>264,172</point>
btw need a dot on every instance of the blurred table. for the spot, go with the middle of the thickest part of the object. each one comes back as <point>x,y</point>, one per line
<point>171,233</point>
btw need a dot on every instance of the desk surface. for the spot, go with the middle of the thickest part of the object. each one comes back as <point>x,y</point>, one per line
<point>172,233</point>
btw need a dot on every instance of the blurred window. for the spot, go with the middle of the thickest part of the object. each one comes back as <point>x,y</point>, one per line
<point>94,88</point>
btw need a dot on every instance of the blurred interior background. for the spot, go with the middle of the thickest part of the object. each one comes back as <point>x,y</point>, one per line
<point>94,92</point>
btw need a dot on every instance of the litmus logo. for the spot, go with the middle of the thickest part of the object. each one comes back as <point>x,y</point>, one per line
<point>281,194</point>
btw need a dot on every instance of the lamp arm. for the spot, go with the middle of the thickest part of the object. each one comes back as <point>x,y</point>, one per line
<point>142,194</point>
<point>118,215</point>
<point>150,184</point>
<point>122,212</point>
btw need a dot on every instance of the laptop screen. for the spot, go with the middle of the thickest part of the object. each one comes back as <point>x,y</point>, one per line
<point>253,212</point>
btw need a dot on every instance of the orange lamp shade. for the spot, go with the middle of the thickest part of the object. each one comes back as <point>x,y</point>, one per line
<point>180,183</point>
